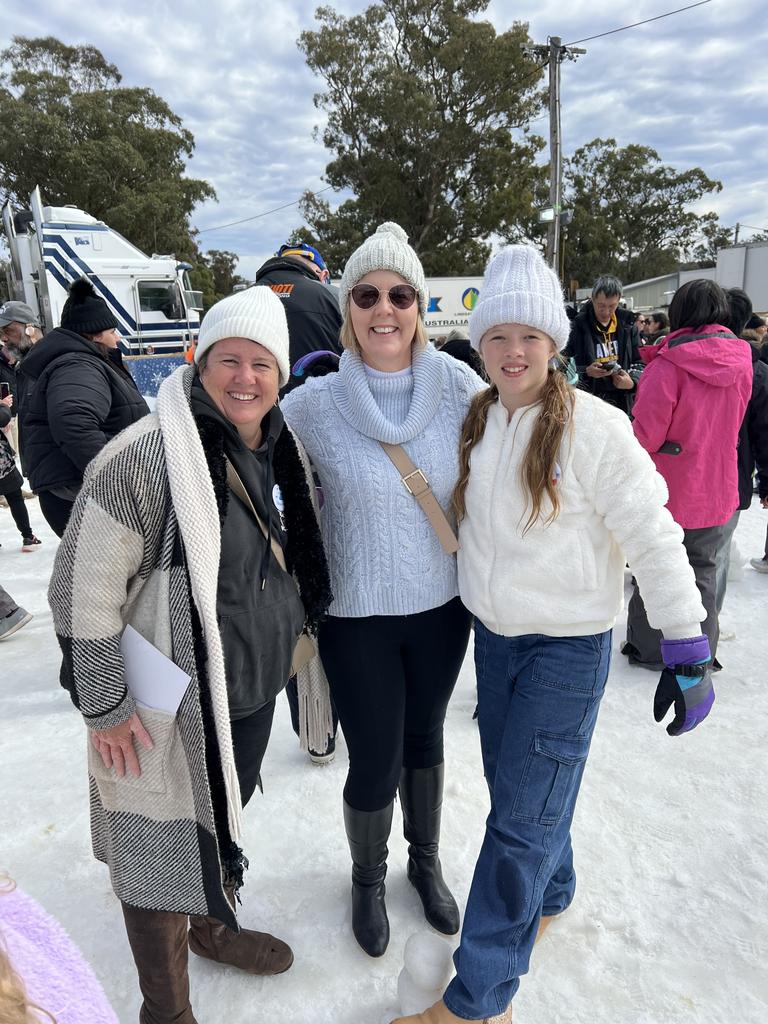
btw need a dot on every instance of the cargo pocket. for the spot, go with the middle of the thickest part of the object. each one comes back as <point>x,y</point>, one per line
<point>161,726</point>
<point>551,778</point>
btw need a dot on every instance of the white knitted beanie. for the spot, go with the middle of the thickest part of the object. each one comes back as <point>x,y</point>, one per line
<point>386,249</point>
<point>256,314</point>
<point>520,288</point>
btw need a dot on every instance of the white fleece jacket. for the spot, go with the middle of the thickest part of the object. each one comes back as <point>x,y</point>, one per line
<point>567,579</point>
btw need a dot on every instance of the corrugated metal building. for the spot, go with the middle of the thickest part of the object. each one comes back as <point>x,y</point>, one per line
<point>740,266</point>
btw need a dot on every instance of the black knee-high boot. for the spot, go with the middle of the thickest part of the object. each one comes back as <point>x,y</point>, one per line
<point>421,796</point>
<point>367,833</point>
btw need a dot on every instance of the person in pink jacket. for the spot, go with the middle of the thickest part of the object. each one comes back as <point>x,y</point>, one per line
<point>690,404</point>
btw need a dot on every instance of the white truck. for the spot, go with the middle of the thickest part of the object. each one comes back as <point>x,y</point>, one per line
<point>150,296</point>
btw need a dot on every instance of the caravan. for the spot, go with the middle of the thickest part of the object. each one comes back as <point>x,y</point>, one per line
<point>51,246</point>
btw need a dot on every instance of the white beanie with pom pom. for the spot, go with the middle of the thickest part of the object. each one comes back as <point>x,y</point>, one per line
<point>386,249</point>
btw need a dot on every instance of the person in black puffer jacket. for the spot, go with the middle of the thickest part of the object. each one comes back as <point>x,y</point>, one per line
<point>77,395</point>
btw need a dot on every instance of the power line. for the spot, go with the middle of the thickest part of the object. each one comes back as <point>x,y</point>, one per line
<point>245,220</point>
<point>752,227</point>
<point>266,213</point>
<point>635,24</point>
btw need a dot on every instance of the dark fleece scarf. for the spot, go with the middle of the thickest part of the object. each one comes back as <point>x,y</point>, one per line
<point>304,552</point>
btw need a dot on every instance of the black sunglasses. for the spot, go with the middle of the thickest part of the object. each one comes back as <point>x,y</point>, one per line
<point>402,296</point>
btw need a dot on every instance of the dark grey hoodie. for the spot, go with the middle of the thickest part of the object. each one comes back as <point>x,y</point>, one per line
<point>258,605</point>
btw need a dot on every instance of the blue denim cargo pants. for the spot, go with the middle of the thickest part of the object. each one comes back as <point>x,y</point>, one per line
<point>538,700</point>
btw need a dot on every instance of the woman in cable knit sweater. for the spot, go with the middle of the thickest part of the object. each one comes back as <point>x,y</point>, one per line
<point>397,631</point>
<point>554,493</point>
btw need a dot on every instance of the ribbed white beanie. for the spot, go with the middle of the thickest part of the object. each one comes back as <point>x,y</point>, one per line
<point>386,249</point>
<point>520,288</point>
<point>256,314</point>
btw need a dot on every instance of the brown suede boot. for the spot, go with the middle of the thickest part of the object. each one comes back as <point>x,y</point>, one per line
<point>250,951</point>
<point>440,1014</point>
<point>158,941</point>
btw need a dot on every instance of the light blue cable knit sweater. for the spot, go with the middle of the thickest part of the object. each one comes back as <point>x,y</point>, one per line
<point>384,557</point>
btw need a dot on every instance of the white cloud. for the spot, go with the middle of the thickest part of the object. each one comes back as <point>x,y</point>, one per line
<point>691,86</point>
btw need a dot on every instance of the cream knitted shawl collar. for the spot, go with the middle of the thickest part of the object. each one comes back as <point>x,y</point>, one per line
<point>351,394</point>
<point>194,504</point>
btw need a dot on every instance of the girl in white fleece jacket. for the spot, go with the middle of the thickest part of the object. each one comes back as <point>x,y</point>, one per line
<point>554,495</point>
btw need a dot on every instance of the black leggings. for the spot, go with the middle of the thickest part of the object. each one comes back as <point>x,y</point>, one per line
<point>19,512</point>
<point>250,736</point>
<point>391,677</point>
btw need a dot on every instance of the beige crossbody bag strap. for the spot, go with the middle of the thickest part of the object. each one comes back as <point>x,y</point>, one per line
<point>234,481</point>
<point>305,650</point>
<point>417,484</point>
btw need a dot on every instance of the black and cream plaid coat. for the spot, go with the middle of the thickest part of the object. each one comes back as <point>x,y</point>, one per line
<point>142,548</point>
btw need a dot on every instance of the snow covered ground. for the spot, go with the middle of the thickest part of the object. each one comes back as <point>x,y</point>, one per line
<point>670,921</point>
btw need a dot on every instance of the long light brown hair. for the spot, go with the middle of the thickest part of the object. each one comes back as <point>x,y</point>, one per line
<point>540,461</point>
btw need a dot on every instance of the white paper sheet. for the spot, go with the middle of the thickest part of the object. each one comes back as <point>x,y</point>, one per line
<point>153,680</point>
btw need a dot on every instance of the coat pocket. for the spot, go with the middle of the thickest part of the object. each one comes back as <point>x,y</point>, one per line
<point>551,777</point>
<point>161,726</point>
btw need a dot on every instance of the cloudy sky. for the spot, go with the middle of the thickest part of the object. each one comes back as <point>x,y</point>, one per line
<point>694,86</point>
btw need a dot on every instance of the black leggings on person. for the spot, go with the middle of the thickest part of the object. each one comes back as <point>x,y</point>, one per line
<point>19,512</point>
<point>250,736</point>
<point>391,677</point>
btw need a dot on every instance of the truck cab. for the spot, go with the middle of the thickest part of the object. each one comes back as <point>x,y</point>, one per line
<point>150,296</point>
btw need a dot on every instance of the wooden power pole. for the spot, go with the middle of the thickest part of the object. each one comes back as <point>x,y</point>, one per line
<point>555,53</point>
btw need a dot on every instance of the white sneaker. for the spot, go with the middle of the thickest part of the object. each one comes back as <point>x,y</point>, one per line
<point>322,759</point>
<point>760,564</point>
<point>316,757</point>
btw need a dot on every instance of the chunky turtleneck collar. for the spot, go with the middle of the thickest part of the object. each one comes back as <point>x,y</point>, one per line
<point>353,394</point>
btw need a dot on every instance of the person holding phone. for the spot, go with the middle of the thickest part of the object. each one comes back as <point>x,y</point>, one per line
<point>19,333</point>
<point>604,344</point>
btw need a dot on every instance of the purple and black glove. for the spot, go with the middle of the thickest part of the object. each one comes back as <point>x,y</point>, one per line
<point>686,682</point>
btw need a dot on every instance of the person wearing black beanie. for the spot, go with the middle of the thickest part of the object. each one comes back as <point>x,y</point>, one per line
<point>85,312</point>
<point>81,398</point>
